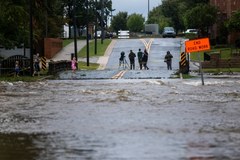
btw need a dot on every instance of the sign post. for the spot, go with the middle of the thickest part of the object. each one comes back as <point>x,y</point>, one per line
<point>197,46</point>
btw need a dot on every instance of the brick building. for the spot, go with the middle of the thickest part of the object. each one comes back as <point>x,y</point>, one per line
<point>227,8</point>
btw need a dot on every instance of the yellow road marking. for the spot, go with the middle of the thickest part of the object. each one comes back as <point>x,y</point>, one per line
<point>147,44</point>
<point>119,74</point>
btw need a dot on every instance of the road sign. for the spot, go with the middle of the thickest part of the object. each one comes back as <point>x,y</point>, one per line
<point>197,45</point>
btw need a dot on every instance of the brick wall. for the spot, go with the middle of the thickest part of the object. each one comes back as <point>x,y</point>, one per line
<point>52,46</point>
<point>227,8</point>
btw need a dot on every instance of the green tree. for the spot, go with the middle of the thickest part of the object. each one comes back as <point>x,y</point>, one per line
<point>172,13</point>
<point>13,23</point>
<point>233,23</point>
<point>135,22</point>
<point>170,10</point>
<point>119,21</point>
<point>93,12</point>
<point>201,17</point>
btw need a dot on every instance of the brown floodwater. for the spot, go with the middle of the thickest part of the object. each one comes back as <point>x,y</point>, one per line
<point>120,120</point>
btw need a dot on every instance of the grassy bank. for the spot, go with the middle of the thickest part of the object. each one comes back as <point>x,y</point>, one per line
<point>225,53</point>
<point>101,48</point>
<point>223,70</point>
<point>21,78</point>
<point>92,66</point>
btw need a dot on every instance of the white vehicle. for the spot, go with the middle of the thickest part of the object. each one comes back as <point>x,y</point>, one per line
<point>193,31</point>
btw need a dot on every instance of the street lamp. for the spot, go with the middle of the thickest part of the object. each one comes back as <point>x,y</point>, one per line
<point>148,8</point>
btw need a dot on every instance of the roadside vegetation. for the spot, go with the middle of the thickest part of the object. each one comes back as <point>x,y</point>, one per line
<point>101,48</point>
<point>67,42</point>
<point>225,52</point>
<point>21,78</point>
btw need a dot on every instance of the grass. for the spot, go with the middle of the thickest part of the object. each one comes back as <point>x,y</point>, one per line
<point>67,42</point>
<point>21,78</point>
<point>101,48</point>
<point>224,70</point>
<point>83,66</point>
<point>225,53</point>
<point>184,76</point>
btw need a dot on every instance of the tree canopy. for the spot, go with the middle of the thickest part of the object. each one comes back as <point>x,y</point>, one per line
<point>183,14</point>
<point>135,22</point>
<point>234,22</point>
<point>201,17</point>
<point>119,21</point>
<point>48,18</point>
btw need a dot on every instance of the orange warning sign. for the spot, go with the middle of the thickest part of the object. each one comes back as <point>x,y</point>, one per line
<point>197,45</point>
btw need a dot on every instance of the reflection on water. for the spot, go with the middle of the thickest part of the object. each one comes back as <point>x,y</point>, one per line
<point>120,119</point>
<point>18,146</point>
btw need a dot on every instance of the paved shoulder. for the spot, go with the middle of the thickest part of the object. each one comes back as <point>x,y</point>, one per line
<point>65,53</point>
<point>103,60</point>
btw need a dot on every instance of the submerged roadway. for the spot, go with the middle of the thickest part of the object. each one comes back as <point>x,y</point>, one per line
<point>156,47</point>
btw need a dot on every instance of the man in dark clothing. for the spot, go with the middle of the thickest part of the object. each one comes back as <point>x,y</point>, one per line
<point>168,60</point>
<point>145,59</point>
<point>131,57</point>
<point>140,55</point>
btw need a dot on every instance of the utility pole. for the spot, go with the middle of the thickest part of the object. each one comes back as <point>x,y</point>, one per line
<point>87,34</point>
<point>148,8</point>
<point>31,34</point>
<point>96,27</point>
<point>75,30</point>
<point>102,20</point>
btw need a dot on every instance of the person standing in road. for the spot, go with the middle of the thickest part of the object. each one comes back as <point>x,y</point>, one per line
<point>140,55</point>
<point>36,61</point>
<point>131,57</point>
<point>145,59</point>
<point>168,60</point>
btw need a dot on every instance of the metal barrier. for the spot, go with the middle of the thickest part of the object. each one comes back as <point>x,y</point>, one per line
<point>58,66</point>
<point>123,34</point>
<point>7,65</point>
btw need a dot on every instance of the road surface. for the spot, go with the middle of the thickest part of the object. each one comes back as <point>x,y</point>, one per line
<point>157,49</point>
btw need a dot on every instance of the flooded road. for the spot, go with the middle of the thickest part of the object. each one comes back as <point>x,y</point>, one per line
<point>120,120</point>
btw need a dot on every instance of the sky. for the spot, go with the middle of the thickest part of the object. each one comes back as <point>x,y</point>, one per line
<point>134,6</point>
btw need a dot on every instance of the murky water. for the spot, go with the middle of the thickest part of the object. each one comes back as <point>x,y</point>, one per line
<point>120,120</point>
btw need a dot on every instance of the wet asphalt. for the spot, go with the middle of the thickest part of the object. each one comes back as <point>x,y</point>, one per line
<point>157,49</point>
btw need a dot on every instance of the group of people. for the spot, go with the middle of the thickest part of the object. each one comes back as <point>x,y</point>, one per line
<point>143,59</point>
<point>36,66</point>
